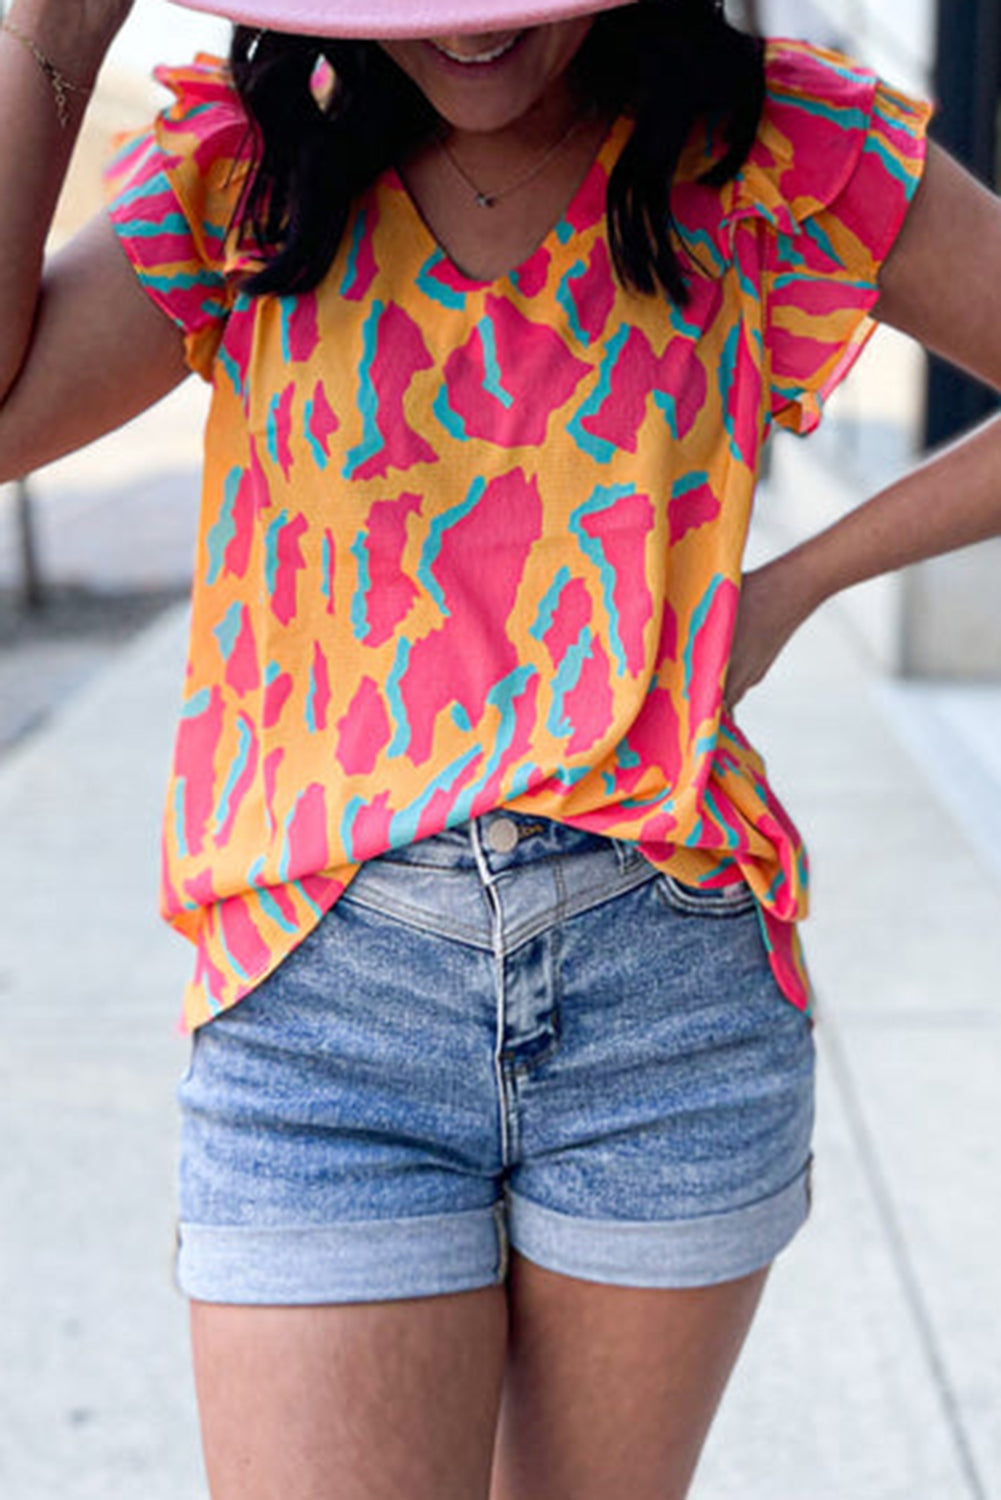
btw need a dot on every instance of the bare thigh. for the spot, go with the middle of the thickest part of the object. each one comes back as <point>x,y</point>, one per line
<point>609,1390</point>
<point>360,1401</point>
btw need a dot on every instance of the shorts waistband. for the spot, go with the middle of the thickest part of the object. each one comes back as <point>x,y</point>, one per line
<point>505,839</point>
<point>499,880</point>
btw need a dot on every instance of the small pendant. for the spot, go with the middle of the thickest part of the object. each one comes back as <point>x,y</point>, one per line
<point>485,200</point>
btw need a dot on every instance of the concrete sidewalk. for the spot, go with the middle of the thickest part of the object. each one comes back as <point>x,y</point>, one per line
<point>874,1370</point>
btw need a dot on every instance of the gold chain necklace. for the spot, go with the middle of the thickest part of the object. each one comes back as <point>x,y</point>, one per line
<point>485,199</point>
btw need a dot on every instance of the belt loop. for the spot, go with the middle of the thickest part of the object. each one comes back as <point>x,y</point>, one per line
<point>479,853</point>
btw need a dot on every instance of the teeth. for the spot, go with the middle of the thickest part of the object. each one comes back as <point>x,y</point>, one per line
<point>479,57</point>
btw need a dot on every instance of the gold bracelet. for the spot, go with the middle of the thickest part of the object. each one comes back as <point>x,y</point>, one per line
<point>61,86</point>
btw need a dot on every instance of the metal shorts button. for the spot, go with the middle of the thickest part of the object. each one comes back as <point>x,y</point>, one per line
<point>502,835</point>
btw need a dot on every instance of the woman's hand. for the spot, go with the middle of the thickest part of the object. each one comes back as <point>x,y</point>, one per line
<point>774,602</point>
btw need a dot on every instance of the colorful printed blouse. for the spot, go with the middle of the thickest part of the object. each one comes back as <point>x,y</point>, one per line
<point>470,544</point>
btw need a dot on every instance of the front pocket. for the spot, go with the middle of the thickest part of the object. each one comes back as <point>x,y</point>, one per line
<point>694,901</point>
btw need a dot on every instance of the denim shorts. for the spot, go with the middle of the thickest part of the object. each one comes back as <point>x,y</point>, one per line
<point>514,1034</point>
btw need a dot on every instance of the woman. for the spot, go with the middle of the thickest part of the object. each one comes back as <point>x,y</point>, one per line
<point>500,1098</point>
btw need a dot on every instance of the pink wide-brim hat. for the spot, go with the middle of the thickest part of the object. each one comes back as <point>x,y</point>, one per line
<point>398,18</point>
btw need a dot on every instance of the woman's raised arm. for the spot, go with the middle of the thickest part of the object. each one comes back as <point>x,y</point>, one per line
<point>82,348</point>
<point>941,285</point>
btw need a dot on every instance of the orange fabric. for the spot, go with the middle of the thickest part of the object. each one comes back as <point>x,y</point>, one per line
<point>470,544</point>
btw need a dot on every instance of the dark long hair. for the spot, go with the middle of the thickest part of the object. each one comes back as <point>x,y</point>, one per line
<point>668,64</point>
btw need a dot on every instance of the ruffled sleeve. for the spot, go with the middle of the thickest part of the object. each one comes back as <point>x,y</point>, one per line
<point>835,165</point>
<point>173,193</point>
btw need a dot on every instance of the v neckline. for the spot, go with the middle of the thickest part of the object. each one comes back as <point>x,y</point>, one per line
<point>603,161</point>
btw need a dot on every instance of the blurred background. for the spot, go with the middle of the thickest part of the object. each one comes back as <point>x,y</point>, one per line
<point>874,1372</point>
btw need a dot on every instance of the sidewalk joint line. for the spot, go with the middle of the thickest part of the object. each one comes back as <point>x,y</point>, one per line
<point>907,1274</point>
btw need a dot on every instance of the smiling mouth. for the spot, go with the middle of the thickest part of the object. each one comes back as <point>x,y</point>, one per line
<point>479,59</point>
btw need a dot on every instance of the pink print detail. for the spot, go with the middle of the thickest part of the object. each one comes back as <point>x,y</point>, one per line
<point>690,510</point>
<point>237,555</point>
<point>442,270</point>
<point>200,889</point>
<point>222,128</point>
<point>855,207</point>
<point>707,296</point>
<point>363,732</point>
<point>633,378</point>
<point>301,332</point>
<point>623,530</point>
<point>722,825</point>
<point>820,299</point>
<point>796,358</point>
<point>637,375</point>
<point>783,956</point>
<point>597,819</point>
<point>708,655</point>
<point>490,793</point>
<point>242,672</point>
<point>365,268</point>
<point>777,826</point>
<point>322,890</point>
<point>594,293</point>
<point>171,900</point>
<point>401,353</point>
<point>322,423</point>
<point>391,593</point>
<point>246,776</point>
<point>743,413</point>
<point>488,386</point>
<point>532,276</point>
<point>572,614</point>
<point>370,831</point>
<point>162,248</point>
<point>683,383</point>
<point>801,170</point>
<point>194,763</point>
<point>434,815</point>
<point>259,487</point>
<point>588,207</point>
<point>208,976</point>
<point>282,434</point>
<point>246,946</point>
<point>319,701</point>
<point>127,168</point>
<point>667,649</point>
<point>237,343</point>
<point>282,898</point>
<point>588,704</point>
<point>469,654</point>
<point>526,713</point>
<point>655,737</point>
<point>656,833</point>
<point>276,695</point>
<point>289,563</point>
<point>306,844</point>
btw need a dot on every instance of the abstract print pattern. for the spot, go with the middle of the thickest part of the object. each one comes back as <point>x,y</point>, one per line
<point>466,545</point>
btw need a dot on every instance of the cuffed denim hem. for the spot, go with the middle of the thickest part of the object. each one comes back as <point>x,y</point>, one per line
<point>370,1260</point>
<point>683,1253</point>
